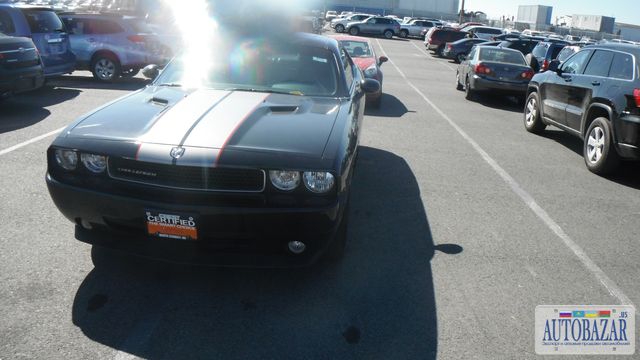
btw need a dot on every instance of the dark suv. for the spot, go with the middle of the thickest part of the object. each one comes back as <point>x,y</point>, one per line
<point>375,25</point>
<point>544,53</point>
<point>436,39</point>
<point>595,95</point>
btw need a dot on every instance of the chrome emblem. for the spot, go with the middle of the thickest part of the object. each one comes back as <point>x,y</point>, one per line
<point>21,50</point>
<point>177,152</point>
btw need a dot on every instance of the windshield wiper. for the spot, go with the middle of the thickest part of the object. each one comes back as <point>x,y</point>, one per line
<point>294,92</point>
<point>170,84</point>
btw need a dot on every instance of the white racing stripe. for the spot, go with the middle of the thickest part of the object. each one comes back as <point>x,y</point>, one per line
<point>30,141</point>
<point>586,261</point>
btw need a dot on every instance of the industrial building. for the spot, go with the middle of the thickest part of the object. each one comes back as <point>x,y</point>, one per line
<point>598,23</point>
<point>537,16</point>
<point>627,31</point>
<point>433,8</point>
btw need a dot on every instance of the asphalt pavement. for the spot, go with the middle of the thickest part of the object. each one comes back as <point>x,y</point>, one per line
<point>461,224</point>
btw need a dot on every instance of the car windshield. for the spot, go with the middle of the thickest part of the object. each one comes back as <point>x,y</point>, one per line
<point>357,49</point>
<point>258,65</point>
<point>501,55</point>
<point>43,21</point>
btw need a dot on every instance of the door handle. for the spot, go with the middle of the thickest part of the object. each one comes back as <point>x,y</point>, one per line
<point>91,40</point>
<point>596,83</point>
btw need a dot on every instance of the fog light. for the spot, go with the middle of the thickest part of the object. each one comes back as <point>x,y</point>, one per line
<point>297,247</point>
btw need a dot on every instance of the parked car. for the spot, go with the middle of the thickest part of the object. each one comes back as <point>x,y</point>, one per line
<point>543,53</point>
<point>524,45</point>
<point>111,46</point>
<point>376,25</point>
<point>364,56</point>
<point>436,39</point>
<point>484,32</point>
<point>47,32</point>
<point>495,69</point>
<point>20,66</point>
<point>415,28</point>
<point>594,95</point>
<point>340,24</point>
<point>330,15</point>
<point>240,170</point>
<point>458,50</point>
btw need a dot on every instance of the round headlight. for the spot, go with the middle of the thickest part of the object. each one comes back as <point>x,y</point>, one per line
<point>94,163</point>
<point>318,181</point>
<point>284,180</point>
<point>67,159</point>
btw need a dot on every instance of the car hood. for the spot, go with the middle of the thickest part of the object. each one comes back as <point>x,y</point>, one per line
<point>364,63</point>
<point>205,122</point>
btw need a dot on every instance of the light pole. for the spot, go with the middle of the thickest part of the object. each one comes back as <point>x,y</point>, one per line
<point>461,13</point>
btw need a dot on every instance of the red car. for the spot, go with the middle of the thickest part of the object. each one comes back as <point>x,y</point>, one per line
<point>364,56</point>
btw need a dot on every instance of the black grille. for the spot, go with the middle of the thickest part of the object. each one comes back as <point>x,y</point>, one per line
<point>21,64</point>
<point>187,177</point>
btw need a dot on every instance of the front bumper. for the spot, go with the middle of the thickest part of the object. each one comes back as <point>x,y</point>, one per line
<point>505,87</point>
<point>227,235</point>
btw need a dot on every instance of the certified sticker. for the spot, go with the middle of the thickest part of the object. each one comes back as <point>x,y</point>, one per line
<point>585,330</point>
<point>171,226</point>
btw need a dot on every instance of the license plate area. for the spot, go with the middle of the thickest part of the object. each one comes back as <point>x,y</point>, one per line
<point>168,225</point>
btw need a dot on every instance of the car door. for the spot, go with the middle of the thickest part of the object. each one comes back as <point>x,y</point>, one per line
<point>369,26</point>
<point>587,85</point>
<point>79,39</point>
<point>555,89</point>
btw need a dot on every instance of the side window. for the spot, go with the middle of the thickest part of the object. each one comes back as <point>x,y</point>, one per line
<point>76,26</point>
<point>576,63</point>
<point>348,68</point>
<point>472,54</point>
<point>6,23</point>
<point>105,27</point>
<point>599,63</point>
<point>622,66</point>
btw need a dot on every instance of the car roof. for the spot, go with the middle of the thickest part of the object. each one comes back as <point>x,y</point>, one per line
<point>350,38</point>
<point>482,46</point>
<point>635,49</point>
<point>25,6</point>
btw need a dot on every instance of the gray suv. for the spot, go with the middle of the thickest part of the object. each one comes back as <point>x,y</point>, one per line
<point>111,46</point>
<point>376,25</point>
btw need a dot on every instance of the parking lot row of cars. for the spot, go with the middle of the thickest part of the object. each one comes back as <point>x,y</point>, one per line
<point>38,43</point>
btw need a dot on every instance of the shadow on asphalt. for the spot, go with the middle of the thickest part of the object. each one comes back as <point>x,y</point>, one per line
<point>26,109</point>
<point>378,302</point>
<point>88,82</point>
<point>628,173</point>
<point>390,106</point>
<point>499,102</point>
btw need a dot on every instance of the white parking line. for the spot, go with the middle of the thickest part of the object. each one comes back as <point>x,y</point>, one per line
<point>425,53</point>
<point>609,284</point>
<point>30,141</point>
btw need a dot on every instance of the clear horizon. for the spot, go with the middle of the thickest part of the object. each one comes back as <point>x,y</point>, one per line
<point>620,9</point>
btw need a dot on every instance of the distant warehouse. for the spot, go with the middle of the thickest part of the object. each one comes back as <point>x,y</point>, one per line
<point>433,8</point>
<point>598,23</point>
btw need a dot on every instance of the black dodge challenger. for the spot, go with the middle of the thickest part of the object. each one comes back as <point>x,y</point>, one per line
<point>242,158</point>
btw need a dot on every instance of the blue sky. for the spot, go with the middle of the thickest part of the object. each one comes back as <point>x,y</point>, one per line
<point>625,11</point>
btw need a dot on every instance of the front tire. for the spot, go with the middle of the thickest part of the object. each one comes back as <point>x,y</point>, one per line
<point>600,156</point>
<point>354,31</point>
<point>106,68</point>
<point>532,118</point>
<point>339,28</point>
<point>404,34</point>
<point>388,34</point>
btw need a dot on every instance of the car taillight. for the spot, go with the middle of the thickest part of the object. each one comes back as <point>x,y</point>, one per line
<point>527,74</point>
<point>450,46</point>
<point>483,69</point>
<point>636,96</point>
<point>136,38</point>
<point>545,65</point>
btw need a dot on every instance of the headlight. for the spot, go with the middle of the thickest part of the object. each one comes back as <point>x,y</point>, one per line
<point>371,71</point>
<point>67,159</point>
<point>284,180</point>
<point>94,163</point>
<point>318,181</point>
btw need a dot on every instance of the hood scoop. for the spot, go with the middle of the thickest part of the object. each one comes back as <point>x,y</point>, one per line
<point>283,109</point>
<point>159,101</point>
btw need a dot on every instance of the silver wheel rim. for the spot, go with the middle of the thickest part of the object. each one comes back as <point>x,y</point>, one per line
<point>105,69</point>
<point>530,112</point>
<point>388,34</point>
<point>353,31</point>
<point>339,28</point>
<point>595,145</point>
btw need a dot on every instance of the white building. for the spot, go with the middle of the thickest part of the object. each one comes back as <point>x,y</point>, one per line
<point>598,23</point>
<point>627,31</point>
<point>534,15</point>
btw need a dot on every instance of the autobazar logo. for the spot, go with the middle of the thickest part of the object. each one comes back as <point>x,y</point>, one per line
<point>585,329</point>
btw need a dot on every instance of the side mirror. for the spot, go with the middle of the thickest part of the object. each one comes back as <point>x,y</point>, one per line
<point>554,66</point>
<point>370,86</point>
<point>382,60</point>
<point>151,71</point>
